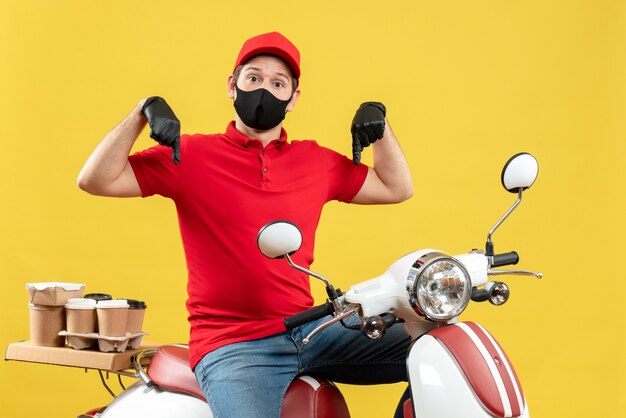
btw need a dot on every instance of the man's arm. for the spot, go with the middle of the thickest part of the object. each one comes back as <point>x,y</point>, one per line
<point>389,181</point>
<point>107,172</point>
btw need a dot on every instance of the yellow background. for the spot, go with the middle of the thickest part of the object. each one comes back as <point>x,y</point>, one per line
<point>466,84</point>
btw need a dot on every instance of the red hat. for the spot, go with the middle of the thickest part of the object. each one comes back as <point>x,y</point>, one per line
<point>272,43</point>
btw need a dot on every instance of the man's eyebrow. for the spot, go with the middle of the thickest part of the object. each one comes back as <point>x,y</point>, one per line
<point>259,70</point>
<point>283,75</point>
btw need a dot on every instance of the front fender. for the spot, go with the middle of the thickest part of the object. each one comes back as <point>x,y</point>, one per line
<point>461,370</point>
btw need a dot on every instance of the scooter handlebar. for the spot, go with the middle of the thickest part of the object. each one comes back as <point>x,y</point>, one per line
<point>505,259</point>
<point>309,315</point>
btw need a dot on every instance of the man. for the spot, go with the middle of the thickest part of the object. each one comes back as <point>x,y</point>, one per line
<point>226,187</point>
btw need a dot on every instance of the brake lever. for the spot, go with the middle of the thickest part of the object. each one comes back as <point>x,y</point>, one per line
<point>514,273</point>
<point>349,310</point>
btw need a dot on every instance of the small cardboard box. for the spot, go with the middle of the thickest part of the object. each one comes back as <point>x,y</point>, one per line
<point>65,356</point>
<point>53,293</point>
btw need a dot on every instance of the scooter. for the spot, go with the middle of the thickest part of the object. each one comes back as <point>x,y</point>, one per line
<point>455,368</point>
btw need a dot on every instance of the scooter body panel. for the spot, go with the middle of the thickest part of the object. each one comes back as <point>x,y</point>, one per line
<point>140,401</point>
<point>447,381</point>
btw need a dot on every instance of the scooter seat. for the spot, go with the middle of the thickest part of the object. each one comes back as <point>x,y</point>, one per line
<point>312,397</point>
<point>307,396</point>
<point>170,369</point>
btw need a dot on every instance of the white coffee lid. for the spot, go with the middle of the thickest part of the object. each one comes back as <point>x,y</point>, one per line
<point>110,304</point>
<point>46,285</point>
<point>80,303</point>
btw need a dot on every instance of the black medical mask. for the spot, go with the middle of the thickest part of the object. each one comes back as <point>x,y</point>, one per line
<point>260,109</point>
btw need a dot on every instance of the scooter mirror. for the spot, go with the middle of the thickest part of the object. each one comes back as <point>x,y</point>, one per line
<point>279,238</point>
<point>520,172</point>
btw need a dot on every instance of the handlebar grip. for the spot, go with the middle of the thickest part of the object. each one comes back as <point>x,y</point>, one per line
<point>309,315</point>
<point>505,259</point>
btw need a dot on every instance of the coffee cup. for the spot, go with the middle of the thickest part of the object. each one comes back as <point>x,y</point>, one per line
<point>112,317</point>
<point>98,297</point>
<point>45,324</point>
<point>81,319</point>
<point>136,312</point>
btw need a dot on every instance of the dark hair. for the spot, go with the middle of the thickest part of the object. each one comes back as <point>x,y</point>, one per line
<point>294,80</point>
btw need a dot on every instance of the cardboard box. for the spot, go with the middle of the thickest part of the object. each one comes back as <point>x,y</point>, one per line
<point>53,293</point>
<point>65,356</point>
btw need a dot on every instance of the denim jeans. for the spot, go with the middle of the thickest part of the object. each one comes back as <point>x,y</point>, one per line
<point>249,379</point>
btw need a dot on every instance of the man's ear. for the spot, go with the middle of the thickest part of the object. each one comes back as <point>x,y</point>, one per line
<point>294,99</point>
<point>231,86</point>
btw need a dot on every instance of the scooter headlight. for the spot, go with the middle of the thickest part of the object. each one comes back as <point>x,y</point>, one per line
<point>439,286</point>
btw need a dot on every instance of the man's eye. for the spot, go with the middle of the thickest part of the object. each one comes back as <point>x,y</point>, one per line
<point>278,84</point>
<point>253,78</point>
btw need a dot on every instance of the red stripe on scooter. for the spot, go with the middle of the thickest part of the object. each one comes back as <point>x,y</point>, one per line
<point>519,405</point>
<point>507,378</point>
<point>473,366</point>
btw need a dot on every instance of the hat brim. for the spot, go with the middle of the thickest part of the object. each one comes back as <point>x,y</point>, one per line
<point>280,53</point>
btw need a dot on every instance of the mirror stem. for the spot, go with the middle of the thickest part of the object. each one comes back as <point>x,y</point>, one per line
<point>332,293</point>
<point>489,248</point>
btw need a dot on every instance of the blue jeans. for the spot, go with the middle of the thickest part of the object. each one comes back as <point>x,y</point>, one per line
<point>249,379</point>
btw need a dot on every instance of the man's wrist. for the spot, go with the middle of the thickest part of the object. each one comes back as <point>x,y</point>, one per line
<point>138,110</point>
<point>136,116</point>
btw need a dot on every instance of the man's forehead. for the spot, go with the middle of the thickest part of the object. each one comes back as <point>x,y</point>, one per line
<point>268,63</point>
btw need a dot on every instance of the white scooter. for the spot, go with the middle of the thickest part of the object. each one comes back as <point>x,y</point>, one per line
<point>455,369</point>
